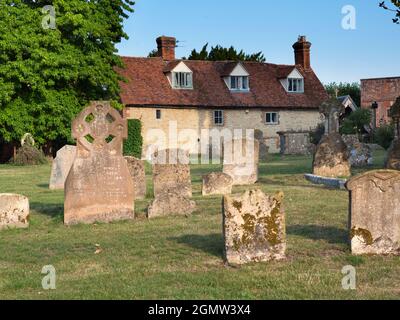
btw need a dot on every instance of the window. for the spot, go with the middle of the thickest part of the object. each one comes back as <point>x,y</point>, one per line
<point>219,117</point>
<point>182,80</point>
<point>158,114</point>
<point>295,85</point>
<point>271,118</point>
<point>240,83</point>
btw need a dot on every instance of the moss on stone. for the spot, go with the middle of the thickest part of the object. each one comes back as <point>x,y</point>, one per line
<point>364,234</point>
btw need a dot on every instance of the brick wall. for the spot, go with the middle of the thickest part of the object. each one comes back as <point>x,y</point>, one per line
<point>384,91</point>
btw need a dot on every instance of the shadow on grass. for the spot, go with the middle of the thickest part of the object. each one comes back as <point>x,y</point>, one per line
<point>43,185</point>
<point>331,235</point>
<point>51,210</point>
<point>212,244</point>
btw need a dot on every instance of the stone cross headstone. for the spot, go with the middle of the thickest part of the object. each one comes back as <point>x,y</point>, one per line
<point>375,213</point>
<point>99,187</point>
<point>254,227</point>
<point>14,211</point>
<point>331,111</point>
<point>61,166</point>
<point>241,160</point>
<point>138,174</point>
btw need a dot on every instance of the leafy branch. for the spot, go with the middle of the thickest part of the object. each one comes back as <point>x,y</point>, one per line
<point>396,3</point>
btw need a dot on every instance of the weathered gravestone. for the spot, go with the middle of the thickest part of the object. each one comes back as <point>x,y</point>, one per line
<point>375,213</point>
<point>392,160</point>
<point>61,166</point>
<point>14,211</point>
<point>241,158</point>
<point>138,175</point>
<point>360,153</point>
<point>217,183</point>
<point>171,172</point>
<point>170,203</point>
<point>331,158</point>
<point>99,186</point>
<point>254,227</point>
<point>264,149</point>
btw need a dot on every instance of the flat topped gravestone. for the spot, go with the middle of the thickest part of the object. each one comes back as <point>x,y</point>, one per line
<point>241,159</point>
<point>254,227</point>
<point>331,158</point>
<point>99,187</point>
<point>61,166</point>
<point>375,213</point>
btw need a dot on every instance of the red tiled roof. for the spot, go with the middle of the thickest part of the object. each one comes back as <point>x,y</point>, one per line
<point>147,85</point>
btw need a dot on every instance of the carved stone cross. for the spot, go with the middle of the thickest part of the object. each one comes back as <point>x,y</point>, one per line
<point>331,111</point>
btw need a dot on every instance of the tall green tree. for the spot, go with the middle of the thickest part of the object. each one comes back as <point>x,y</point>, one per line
<point>48,75</point>
<point>396,3</point>
<point>344,89</point>
<point>219,53</point>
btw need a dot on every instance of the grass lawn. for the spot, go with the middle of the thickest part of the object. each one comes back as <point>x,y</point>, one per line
<point>181,258</point>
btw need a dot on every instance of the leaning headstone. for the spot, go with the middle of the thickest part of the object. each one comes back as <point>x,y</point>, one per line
<point>331,158</point>
<point>61,166</point>
<point>360,153</point>
<point>14,211</point>
<point>99,187</point>
<point>217,183</point>
<point>375,213</point>
<point>254,227</point>
<point>241,159</point>
<point>171,172</point>
<point>138,175</point>
<point>170,203</point>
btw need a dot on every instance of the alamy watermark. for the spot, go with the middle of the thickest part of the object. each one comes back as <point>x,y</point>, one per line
<point>49,280</point>
<point>349,279</point>
<point>349,20</point>
<point>49,20</point>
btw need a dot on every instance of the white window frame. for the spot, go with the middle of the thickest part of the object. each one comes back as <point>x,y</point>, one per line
<point>221,118</point>
<point>297,83</point>
<point>239,83</point>
<point>182,80</point>
<point>270,113</point>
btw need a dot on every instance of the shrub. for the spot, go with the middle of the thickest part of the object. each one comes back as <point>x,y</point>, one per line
<point>133,145</point>
<point>356,121</point>
<point>317,134</point>
<point>384,136</point>
<point>29,155</point>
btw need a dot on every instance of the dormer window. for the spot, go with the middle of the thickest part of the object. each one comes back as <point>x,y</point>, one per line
<point>295,85</point>
<point>239,83</point>
<point>182,80</point>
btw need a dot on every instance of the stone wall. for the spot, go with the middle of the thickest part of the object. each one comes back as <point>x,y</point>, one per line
<point>295,143</point>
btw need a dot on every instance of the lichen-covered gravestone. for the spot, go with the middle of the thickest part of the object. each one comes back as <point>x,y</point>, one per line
<point>217,183</point>
<point>375,213</point>
<point>360,153</point>
<point>331,158</point>
<point>138,175</point>
<point>14,211</point>
<point>170,203</point>
<point>99,187</point>
<point>171,172</point>
<point>61,166</point>
<point>254,227</point>
<point>241,158</point>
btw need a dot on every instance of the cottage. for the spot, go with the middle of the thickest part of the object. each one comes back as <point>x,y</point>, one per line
<point>189,96</point>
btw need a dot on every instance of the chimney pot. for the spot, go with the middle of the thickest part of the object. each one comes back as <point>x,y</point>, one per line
<point>166,47</point>
<point>302,52</point>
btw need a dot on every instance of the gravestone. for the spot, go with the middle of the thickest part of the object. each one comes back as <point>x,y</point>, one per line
<point>295,142</point>
<point>375,213</point>
<point>99,187</point>
<point>331,158</point>
<point>254,227</point>
<point>392,160</point>
<point>171,172</point>
<point>360,153</point>
<point>241,159</point>
<point>61,166</point>
<point>14,211</point>
<point>217,183</point>
<point>170,203</point>
<point>264,149</point>
<point>138,175</point>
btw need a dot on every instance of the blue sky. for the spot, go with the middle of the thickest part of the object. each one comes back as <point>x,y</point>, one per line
<point>272,26</point>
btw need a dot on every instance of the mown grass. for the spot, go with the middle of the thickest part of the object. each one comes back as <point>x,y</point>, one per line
<point>181,258</point>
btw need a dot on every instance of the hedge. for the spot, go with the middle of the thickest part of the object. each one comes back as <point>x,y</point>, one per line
<point>133,145</point>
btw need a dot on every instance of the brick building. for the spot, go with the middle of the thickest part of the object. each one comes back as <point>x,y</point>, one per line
<point>384,91</point>
<point>200,95</point>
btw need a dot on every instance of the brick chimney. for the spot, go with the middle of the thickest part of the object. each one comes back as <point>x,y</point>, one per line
<point>302,52</point>
<point>166,48</point>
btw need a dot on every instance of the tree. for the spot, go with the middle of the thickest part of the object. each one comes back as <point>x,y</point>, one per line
<point>48,75</point>
<point>396,3</point>
<point>219,53</point>
<point>344,89</point>
<point>356,122</point>
<point>153,54</point>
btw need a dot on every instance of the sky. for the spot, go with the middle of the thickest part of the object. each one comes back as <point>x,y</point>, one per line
<point>271,26</point>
